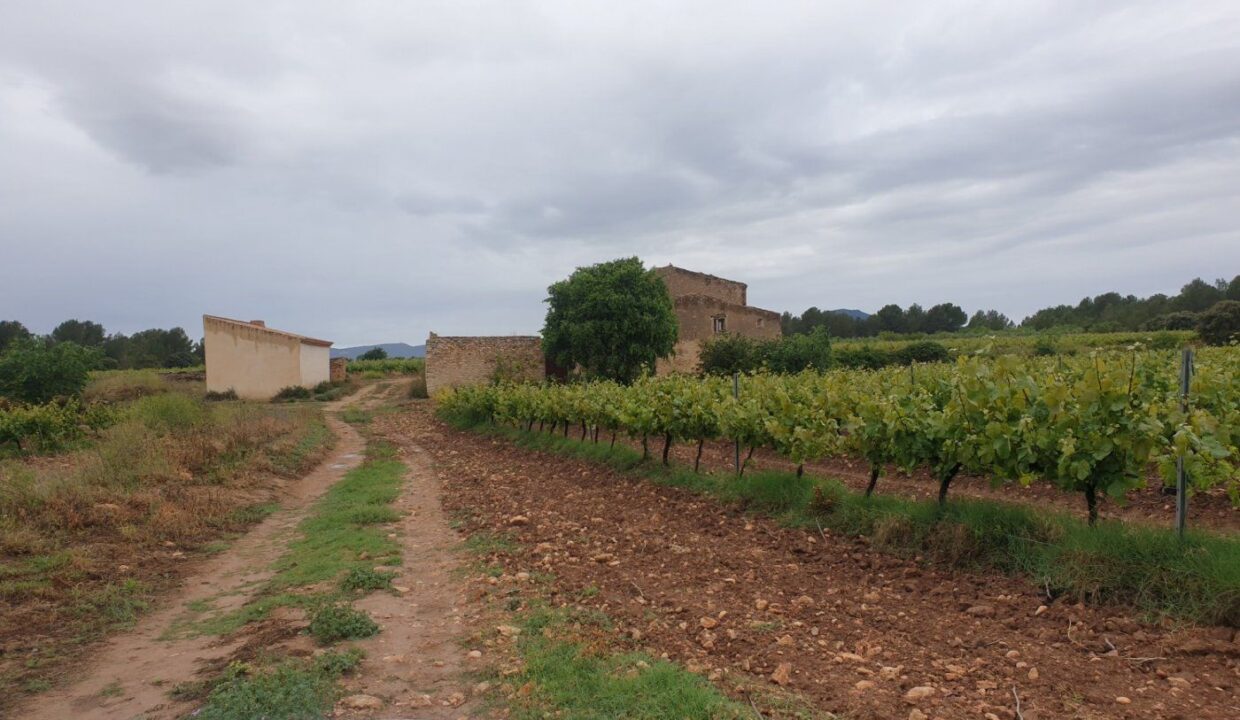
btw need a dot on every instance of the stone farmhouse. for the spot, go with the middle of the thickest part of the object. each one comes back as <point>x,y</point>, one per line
<point>256,361</point>
<point>705,306</point>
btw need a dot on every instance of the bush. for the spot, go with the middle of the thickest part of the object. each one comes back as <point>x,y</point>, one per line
<point>375,353</point>
<point>341,622</point>
<point>215,396</point>
<point>1173,321</point>
<point>728,354</point>
<point>866,357</point>
<point>1220,324</point>
<point>794,353</point>
<point>922,352</point>
<point>291,393</point>
<point>39,428</point>
<point>35,372</point>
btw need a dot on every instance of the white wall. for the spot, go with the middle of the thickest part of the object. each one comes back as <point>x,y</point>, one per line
<point>315,364</point>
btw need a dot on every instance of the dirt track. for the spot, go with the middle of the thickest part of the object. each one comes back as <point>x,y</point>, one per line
<point>852,630</point>
<point>410,664</point>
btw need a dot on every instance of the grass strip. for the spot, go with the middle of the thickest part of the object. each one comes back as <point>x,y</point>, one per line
<point>342,537</point>
<point>1197,579</point>
<point>295,689</point>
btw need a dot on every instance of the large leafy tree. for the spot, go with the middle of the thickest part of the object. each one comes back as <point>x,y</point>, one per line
<point>11,331</point>
<point>613,320</point>
<point>82,332</point>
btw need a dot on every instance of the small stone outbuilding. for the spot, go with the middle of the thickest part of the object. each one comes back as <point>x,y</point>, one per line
<point>256,361</point>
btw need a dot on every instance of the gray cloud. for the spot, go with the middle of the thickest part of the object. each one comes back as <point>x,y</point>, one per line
<point>374,174</point>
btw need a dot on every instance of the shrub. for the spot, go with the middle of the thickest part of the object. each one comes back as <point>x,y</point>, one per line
<point>1173,321</point>
<point>375,353</point>
<point>866,357</point>
<point>341,622</point>
<point>794,353</point>
<point>1044,346</point>
<point>728,354</point>
<point>38,428</point>
<point>291,393</point>
<point>922,352</point>
<point>1220,324</point>
<point>35,372</point>
<point>215,396</point>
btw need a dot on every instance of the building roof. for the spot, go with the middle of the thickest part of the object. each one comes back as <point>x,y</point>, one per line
<point>270,331</point>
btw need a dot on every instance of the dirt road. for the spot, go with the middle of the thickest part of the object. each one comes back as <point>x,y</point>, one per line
<point>409,663</point>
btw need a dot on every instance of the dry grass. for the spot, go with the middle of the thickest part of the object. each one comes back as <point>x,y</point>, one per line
<point>87,537</point>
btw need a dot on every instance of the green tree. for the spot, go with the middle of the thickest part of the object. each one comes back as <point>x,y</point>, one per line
<point>11,331</point>
<point>891,319</point>
<point>375,353</point>
<point>36,371</point>
<point>1220,324</point>
<point>944,317</point>
<point>613,319</point>
<point>81,332</point>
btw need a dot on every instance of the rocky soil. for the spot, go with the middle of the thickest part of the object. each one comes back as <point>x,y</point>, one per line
<point>849,629</point>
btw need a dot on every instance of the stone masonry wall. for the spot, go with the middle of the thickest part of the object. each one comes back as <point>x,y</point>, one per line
<point>453,361</point>
<point>681,282</point>
<point>339,369</point>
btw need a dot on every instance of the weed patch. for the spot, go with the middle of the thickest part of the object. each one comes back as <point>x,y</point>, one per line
<point>569,680</point>
<point>334,623</point>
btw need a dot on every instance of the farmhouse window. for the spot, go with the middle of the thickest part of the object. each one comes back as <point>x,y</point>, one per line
<point>720,324</point>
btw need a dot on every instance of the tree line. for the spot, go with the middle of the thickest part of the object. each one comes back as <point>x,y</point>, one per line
<point>1108,312</point>
<point>153,348</point>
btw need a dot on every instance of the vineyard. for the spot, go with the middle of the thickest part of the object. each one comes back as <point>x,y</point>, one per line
<point>1097,423</point>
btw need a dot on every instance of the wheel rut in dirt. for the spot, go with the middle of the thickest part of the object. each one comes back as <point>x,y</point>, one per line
<point>850,629</point>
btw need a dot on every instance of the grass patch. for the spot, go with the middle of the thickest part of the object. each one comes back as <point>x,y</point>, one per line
<point>571,680</point>
<point>360,578</point>
<point>291,690</point>
<point>488,543</point>
<point>1197,579</point>
<point>356,416</point>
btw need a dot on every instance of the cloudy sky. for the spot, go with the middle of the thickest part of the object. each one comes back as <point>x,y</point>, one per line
<point>371,171</point>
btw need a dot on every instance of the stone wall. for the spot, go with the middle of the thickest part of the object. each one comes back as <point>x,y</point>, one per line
<point>339,369</point>
<point>697,315</point>
<point>452,361</point>
<point>681,282</point>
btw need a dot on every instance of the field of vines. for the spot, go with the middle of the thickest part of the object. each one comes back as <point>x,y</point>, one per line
<point>1096,423</point>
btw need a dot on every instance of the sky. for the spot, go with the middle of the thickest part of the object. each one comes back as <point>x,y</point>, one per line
<point>371,171</point>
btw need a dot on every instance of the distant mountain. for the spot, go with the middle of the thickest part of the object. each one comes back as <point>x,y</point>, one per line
<point>857,314</point>
<point>394,350</point>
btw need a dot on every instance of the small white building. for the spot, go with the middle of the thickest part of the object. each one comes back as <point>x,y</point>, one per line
<point>256,361</point>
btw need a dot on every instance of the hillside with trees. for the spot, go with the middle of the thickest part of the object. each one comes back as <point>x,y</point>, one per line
<point>1108,312</point>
